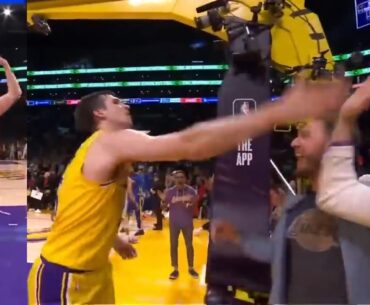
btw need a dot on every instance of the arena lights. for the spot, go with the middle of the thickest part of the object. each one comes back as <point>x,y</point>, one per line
<point>7,11</point>
<point>343,57</point>
<point>129,69</point>
<point>127,84</point>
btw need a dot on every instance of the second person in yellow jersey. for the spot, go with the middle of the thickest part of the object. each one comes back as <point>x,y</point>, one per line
<point>74,265</point>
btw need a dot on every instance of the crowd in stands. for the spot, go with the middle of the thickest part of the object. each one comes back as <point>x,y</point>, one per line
<point>13,150</point>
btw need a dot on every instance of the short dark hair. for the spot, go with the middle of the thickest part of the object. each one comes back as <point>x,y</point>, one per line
<point>181,170</point>
<point>84,113</point>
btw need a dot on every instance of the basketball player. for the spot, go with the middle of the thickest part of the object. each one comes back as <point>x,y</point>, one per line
<point>14,91</point>
<point>74,264</point>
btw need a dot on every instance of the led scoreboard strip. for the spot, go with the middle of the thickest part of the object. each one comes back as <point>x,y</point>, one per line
<point>129,69</point>
<point>133,101</point>
<point>157,83</point>
<point>20,80</point>
<point>127,84</point>
<point>17,71</point>
<point>22,68</point>
<point>138,101</point>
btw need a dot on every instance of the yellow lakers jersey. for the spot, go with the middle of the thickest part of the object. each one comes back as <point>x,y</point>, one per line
<point>87,218</point>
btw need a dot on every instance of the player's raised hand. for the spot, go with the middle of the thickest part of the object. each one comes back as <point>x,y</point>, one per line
<point>357,103</point>
<point>320,99</point>
<point>14,91</point>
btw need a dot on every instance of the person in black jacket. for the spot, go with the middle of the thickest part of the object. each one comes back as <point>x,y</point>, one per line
<point>157,192</point>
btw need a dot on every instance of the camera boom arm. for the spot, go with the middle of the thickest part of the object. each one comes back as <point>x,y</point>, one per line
<point>297,34</point>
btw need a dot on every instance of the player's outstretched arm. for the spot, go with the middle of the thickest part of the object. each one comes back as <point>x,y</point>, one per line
<point>208,139</point>
<point>14,91</point>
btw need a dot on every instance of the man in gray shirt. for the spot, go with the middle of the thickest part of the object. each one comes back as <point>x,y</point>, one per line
<point>316,258</point>
<point>181,199</point>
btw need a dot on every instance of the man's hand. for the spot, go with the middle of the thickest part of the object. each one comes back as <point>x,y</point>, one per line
<point>124,249</point>
<point>3,62</point>
<point>308,99</point>
<point>223,231</point>
<point>14,91</point>
<point>349,113</point>
<point>357,103</point>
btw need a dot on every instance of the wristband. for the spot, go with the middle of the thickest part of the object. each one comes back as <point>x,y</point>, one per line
<point>343,143</point>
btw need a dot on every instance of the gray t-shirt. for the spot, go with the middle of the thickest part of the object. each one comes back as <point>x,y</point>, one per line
<point>315,264</point>
<point>181,202</point>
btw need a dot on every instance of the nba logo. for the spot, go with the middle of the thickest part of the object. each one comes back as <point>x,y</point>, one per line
<point>244,109</point>
<point>244,106</point>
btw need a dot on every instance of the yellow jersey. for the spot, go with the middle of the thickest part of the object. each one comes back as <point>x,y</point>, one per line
<point>87,218</point>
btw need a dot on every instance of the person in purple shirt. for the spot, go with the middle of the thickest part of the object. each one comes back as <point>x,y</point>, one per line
<point>181,199</point>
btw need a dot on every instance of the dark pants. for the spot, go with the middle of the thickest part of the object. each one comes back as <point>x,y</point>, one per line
<point>132,207</point>
<point>187,232</point>
<point>158,213</point>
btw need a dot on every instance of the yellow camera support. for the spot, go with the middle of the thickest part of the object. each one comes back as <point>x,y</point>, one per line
<point>292,43</point>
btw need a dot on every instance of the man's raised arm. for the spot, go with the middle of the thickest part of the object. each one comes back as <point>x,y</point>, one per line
<point>340,192</point>
<point>14,91</point>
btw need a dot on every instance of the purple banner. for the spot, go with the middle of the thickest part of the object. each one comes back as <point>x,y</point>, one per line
<point>242,182</point>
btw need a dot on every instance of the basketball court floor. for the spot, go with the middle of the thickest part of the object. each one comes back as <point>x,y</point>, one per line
<point>13,199</point>
<point>143,280</point>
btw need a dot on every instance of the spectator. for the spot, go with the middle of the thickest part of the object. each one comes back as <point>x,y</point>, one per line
<point>181,199</point>
<point>340,192</point>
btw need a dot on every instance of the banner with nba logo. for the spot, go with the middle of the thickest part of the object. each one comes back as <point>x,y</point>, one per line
<point>242,181</point>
